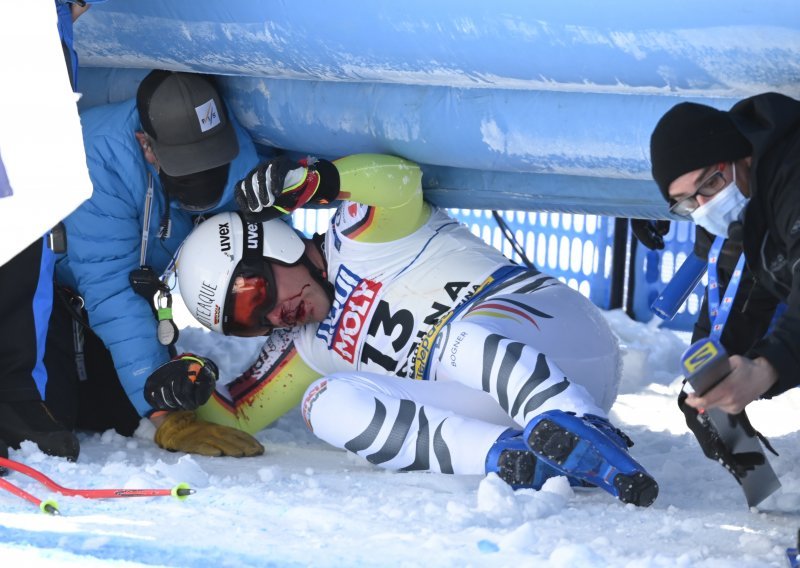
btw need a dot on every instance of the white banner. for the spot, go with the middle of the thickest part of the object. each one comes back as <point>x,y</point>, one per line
<point>41,147</point>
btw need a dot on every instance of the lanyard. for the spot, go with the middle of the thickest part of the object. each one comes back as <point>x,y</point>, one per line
<point>147,284</point>
<point>148,211</point>
<point>718,311</point>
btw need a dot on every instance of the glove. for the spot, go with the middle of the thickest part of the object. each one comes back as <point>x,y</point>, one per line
<point>712,445</point>
<point>182,431</point>
<point>650,233</point>
<point>185,383</point>
<point>280,186</point>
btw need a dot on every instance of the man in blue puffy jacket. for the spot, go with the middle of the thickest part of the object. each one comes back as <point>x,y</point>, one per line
<point>155,162</point>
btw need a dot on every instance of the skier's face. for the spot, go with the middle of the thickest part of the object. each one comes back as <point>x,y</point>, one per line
<point>301,299</point>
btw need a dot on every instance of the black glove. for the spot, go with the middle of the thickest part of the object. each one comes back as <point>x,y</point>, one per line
<point>650,233</point>
<point>280,186</point>
<point>184,383</point>
<point>713,446</point>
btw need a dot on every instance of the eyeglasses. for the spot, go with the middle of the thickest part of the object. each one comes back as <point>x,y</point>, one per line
<point>713,184</point>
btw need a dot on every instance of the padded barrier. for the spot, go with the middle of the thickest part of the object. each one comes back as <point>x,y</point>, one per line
<point>524,105</point>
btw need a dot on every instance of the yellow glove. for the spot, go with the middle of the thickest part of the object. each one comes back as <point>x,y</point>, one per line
<point>182,431</point>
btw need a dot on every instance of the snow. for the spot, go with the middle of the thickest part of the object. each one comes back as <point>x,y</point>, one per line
<point>304,503</point>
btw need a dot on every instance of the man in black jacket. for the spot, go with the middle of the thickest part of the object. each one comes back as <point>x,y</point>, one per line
<point>736,174</point>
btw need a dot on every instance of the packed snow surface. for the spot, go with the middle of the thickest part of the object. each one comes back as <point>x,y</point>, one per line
<point>305,503</point>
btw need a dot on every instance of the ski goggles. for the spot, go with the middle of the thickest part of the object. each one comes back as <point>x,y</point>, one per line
<point>251,294</point>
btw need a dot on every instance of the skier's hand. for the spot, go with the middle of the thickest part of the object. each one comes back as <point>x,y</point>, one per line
<point>280,186</point>
<point>650,233</point>
<point>182,431</point>
<point>184,383</point>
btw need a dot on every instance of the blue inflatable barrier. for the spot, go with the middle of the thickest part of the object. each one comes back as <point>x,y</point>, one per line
<point>524,105</point>
<point>528,106</point>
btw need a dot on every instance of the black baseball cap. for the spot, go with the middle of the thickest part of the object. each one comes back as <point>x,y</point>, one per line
<point>187,122</point>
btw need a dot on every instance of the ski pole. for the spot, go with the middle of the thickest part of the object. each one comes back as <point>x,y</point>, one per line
<point>180,491</point>
<point>49,506</point>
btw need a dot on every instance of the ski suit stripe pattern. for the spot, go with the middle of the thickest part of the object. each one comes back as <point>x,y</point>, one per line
<point>399,436</point>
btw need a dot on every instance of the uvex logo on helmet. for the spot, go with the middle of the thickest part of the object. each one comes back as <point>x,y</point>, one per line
<point>224,237</point>
<point>252,236</point>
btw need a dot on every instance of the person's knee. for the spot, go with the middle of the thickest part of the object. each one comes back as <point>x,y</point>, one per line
<point>333,395</point>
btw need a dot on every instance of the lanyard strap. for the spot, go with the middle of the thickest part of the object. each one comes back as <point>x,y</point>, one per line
<point>148,200</point>
<point>146,282</point>
<point>718,311</point>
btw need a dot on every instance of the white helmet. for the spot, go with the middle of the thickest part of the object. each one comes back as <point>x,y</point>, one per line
<point>224,274</point>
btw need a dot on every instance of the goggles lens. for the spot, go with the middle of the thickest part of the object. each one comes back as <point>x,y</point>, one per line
<point>250,299</point>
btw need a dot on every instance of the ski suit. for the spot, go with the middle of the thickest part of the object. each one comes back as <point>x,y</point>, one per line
<point>417,296</point>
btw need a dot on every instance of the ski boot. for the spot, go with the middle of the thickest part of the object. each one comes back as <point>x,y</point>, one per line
<point>592,450</point>
<point>32,420</point>
<point>513,461</point>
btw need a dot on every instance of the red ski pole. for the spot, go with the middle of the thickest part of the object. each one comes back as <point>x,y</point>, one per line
<point>180,491</point>
<point>48,506</point>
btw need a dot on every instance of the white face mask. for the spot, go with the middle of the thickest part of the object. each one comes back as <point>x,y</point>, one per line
<point>716,215</point>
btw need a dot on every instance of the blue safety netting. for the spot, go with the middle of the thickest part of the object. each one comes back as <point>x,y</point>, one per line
<point>576,249</point>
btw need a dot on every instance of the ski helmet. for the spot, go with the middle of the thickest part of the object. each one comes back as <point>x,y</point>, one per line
<point>224,271</point>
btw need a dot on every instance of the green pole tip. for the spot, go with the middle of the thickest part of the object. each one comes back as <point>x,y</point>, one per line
<point>50,507</point>
<point>182,491</point>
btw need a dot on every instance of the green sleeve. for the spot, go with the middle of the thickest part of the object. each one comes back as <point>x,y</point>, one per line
<point>392,185</point>
<point>274,390</point>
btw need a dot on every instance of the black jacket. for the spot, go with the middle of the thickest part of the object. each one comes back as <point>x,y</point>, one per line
<point>770,231</point>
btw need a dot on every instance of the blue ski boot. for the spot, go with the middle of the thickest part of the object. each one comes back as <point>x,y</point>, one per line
<point>592,450</point>
<point>513,461</point>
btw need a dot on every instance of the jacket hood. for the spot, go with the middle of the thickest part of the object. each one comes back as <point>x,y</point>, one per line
<point>768,121</point>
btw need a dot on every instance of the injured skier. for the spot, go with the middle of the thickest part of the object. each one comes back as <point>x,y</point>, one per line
<point>517,369</point>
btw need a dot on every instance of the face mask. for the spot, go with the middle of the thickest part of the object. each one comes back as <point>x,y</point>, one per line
<point>196,192</point>
<point>726,207</point>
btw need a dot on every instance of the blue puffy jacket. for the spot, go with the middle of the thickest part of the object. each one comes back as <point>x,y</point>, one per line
<point>104,237</point>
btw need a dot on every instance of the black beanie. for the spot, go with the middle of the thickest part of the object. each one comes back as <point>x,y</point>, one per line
<point>691,136</point>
